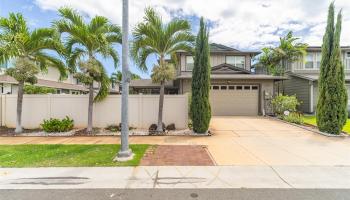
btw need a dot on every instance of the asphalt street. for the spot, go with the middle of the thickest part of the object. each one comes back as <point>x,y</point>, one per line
<point>176,194</point>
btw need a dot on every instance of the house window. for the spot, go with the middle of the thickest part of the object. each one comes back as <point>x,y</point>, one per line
<point>237,61</point>
<point>215,87</point>
<point>347,60</point>
<point>223,87</point>
<point>309,61</point>
<point>189,63</point>
<point>313,60</point>
<point>254,87</point>
<point>231,87</point>
<point>239,87</point>
<point>247,87</point>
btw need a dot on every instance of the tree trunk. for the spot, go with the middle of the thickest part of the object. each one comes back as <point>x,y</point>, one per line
<point>19,108</point>
<point>90,109</point>
<point>160,110</point>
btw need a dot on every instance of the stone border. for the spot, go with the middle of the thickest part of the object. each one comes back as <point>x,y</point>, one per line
<point>314,129</point>
<point>136,132</point>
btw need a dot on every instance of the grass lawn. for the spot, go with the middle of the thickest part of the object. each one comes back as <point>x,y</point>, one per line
<point>311,119</point>
<point>66,155</point>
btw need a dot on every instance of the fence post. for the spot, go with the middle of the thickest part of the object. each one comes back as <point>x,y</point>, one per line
<point>3,110</point>
<point>140,110</point>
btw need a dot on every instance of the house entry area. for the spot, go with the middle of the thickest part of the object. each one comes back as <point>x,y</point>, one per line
<point>234,100</point>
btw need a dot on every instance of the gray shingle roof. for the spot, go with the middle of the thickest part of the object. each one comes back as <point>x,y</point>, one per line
<point>46,83</point>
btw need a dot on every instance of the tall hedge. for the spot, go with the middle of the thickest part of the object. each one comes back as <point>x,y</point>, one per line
<point>331,113</point>
<point>200,106</point>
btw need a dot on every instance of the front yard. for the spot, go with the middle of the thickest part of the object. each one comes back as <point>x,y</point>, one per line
<point>311,119</point>
<point>66,155</point>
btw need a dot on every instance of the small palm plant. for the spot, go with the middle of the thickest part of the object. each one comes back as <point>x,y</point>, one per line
<point>289,50</point>
<point>84,42</point>
<point>154,37</point>
<point>28,50</point>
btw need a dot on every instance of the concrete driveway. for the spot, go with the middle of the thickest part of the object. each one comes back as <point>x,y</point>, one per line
<point>264,141</point>
<point>238,141</point>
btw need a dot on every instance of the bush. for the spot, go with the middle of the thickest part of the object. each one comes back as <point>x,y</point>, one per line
<point>282,103</point>
<point>57,125</point>
<point>32,89</point>
<point>113,128</point>
<point>294,117</point>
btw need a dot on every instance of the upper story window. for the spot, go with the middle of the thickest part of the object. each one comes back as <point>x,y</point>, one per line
<point>189,63</point>
<point>347,60</point>
<point>237,61</point>
<point>312,61</point>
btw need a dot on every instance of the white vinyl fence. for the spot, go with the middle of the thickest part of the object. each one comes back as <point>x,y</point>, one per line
<point>143,110</point>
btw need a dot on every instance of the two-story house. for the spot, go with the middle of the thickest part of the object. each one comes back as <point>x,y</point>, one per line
<point>304,75</point>
<point>235,89</point>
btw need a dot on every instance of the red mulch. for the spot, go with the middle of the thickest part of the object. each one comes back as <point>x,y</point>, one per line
<point>177,155</point>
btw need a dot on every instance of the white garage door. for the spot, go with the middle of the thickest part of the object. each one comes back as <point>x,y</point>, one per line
<point>228,100</point>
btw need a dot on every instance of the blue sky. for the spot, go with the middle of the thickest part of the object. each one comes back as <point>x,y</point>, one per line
<point>245,25</point>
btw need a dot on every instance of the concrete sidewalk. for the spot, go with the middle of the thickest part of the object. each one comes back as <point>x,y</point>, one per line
<point>177,177</point>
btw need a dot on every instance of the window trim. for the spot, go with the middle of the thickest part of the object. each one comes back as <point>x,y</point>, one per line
<point>186,69</point>
<point>235,56</point>
<point>314,61</point>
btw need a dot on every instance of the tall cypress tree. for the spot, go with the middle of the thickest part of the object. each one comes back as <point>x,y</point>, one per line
<point>200,106</point>
<point>331,113</point>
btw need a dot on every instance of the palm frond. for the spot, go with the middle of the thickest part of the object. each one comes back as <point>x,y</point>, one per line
<point>71,15</point>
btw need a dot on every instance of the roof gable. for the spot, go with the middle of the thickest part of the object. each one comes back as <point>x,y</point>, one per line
<point>228,69</point>
<point>214,47</point>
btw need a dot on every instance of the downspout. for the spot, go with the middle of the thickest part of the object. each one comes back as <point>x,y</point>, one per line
<point>311,83</point>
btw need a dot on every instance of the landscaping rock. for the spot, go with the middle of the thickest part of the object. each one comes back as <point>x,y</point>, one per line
<point>171,127</point>
<point>152,128</point>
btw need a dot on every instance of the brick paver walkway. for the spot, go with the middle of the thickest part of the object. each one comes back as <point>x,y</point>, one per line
<point>177,155</point>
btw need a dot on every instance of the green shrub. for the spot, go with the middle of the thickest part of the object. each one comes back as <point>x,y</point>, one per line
<point>283,103</point>
<point>57,125</point>
<point>113,128</point>
<point>294,117</point>
<point>33,89</point>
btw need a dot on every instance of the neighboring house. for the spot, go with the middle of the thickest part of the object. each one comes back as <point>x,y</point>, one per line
<point>50,78</point>
<point>235,89</point>
<point>146,86</point>
<point>304,75</point>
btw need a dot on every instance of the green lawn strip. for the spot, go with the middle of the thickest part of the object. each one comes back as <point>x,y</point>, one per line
<point>58,155</point>
<point>311,119</point>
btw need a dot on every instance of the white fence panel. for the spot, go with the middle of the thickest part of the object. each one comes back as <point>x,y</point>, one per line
<point>143,110</point>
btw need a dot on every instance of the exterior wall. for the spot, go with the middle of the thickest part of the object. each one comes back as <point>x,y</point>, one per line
<point>52,74</point>
<point>300,88</point>
<point>215,59</point>
<point>143,110</point>
<point>299,66</point>
<point>266,86</point>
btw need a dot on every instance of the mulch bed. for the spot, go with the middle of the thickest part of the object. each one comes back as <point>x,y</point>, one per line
<point>177,155</point>
<point>5,131</point>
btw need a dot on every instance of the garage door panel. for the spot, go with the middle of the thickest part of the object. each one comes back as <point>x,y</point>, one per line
<point>234,102</point>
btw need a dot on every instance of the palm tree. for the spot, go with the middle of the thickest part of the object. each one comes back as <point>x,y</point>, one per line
<point>154,37</point>
<point>117,76</point>
<point>289,50</point>
<point>162,74</point>
<point>29,51</point>
<point>83,43</point>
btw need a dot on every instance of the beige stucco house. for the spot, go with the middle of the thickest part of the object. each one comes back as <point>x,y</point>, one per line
<point>304,74</point>
<point>235,88</point>
<point>49,78</point>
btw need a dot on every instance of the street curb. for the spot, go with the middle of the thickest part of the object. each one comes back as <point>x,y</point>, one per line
<point>315,130</point>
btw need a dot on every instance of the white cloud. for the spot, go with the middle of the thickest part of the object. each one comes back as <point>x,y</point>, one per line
<point>248,24</point>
